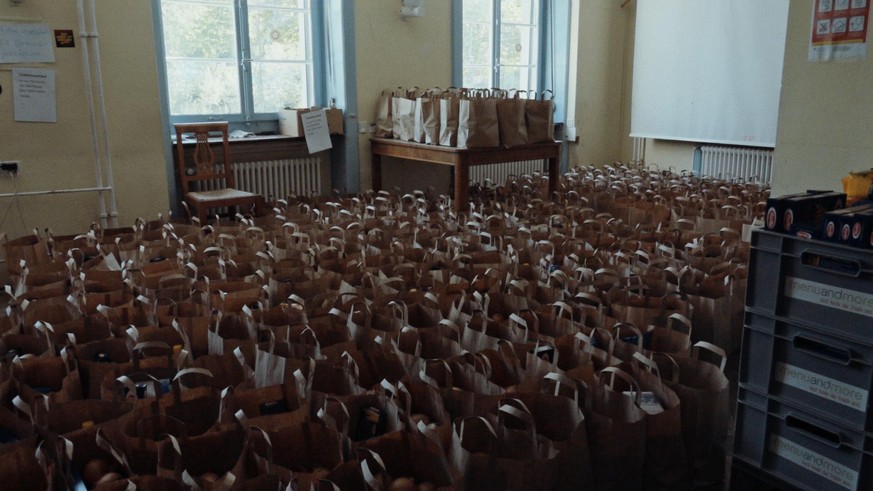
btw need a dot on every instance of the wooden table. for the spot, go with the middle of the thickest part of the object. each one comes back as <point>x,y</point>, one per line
<point>462,159</point>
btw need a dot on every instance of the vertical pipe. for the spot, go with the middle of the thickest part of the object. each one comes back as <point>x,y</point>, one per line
<point>315,169</point>
<point>101,104</point>
<point>92,117</point>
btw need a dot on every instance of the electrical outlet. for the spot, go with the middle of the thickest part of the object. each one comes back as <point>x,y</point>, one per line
<point>9,168</point>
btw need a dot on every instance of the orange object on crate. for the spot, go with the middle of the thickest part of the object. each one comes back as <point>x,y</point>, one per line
<point>858,186</point>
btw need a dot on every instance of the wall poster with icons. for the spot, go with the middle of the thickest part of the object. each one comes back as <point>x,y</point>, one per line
<point>839,30</point>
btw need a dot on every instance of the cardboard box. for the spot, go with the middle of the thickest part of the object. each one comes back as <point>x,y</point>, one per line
<point>850,226</point>
<point>861,234</point>
<point>847,225</point>
<point>776,210</point>
<point>805,215</point>
<point>290,124</point>
<point>802,214</point>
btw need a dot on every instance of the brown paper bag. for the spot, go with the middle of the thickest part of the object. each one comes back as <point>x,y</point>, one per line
<point>20,467</point>
<point>196,455</point>
<point>450,104</point>
<point>540,118</point>
<point>617,431</point>
<point>54,377</point>
<point>508,452</point>
<point>666,464</point>
<point>477,121</point>
<point>703,391</point>
<point>559,418</point>
<point>403,119</point>
<point>712,314</point>
<point>511,119</point>
<point>384,116</point>
<point>30,248</point>
<point>427,117</point>
<point>412,454</point>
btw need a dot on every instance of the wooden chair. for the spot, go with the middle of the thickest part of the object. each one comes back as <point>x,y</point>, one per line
<point>207,181</point>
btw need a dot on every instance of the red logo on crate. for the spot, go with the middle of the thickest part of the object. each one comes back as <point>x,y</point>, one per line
<point>830,229</point>
<point>856,231</point>
<point>771,219</point>
<point>788,220</point>
<point>844,234</point>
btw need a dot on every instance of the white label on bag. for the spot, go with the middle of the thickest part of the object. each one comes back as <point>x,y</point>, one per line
<point>814,462</point>
<point>828,388</point>
<point>829,296</point>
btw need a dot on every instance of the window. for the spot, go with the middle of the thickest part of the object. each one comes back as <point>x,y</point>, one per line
<point>240,60</point>
<point>500,45</point>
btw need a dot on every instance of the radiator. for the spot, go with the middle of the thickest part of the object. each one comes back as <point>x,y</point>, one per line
<point>497,174</point>
<point>279,179</point>
<point>736,163</point>
<point>639,150</point>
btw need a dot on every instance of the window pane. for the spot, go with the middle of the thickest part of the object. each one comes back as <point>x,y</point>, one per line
<point>199,30</point>
<point>517,45</point>
<point>200,47</point>
<point>203,87</point>
<point>518,11</point>
<point>477,11</point>
<point>477,44</point>
<point>277,34</point>
<point>477,77</point>
<point>515,77</point>
<point>277,85</point>
<point>292,4</point>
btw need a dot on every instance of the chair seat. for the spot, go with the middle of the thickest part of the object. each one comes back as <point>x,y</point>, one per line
<point>211,166</point>
<point>220,194</point>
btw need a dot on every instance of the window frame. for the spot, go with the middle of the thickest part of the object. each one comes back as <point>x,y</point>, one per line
<point>553,50</point>
<point>495,64</point>
<point>247,118</point>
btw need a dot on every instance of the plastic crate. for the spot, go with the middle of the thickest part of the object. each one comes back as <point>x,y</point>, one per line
<point>799,448</point>
<point>829,286</point>
<point>808,368</point>
<point>745,477</point>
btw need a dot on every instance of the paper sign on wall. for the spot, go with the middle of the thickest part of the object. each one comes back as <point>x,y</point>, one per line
<point>316,131</point>
<point>34,95</point>
<point>26,43</point>
<point>839,30</point>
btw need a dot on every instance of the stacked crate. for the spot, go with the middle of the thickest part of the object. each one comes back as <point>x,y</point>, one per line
<point>806,368</point>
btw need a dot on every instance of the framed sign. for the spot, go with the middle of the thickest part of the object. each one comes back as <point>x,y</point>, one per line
<point>839,30</point>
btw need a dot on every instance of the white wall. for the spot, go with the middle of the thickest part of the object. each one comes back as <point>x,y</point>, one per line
<point>61,155</point>
<point>825,114</point>
<point>602,103</point>
<point>392,52</point>
<point>417,52</point>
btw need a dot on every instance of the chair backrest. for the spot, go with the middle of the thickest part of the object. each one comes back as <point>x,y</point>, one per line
<point>211,159</point>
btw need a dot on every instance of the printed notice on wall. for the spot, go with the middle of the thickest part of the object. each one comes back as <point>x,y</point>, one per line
<point>34,95</point>
<point>316,131</point>
<point>839,30</point>
<point>26,43</point>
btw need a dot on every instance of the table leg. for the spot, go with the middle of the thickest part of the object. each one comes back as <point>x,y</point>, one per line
<point>553,176</point>
<point>462,181</point>
<point>376,167</point>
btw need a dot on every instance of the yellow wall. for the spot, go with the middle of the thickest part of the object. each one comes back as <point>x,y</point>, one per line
<point>825,114</point>
<point>392,52</point>
<point>61,155</point>
<point>667,154</point>
<point>602,84</point>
